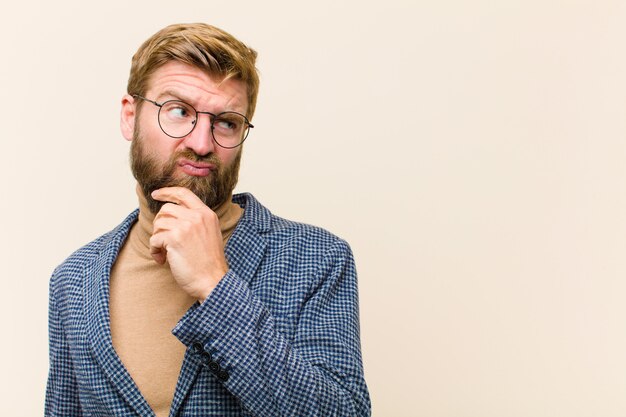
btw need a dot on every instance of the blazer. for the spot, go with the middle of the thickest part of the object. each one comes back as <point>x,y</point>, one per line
<point>278,336</point>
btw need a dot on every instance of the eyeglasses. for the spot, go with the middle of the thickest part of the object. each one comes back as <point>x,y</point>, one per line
<point>177,119</point>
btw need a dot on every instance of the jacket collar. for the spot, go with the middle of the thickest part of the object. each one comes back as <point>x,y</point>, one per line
<point>246,246</point>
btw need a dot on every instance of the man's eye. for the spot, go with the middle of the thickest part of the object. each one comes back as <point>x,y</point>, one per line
<point>179,112</point>
<point>225,124</point>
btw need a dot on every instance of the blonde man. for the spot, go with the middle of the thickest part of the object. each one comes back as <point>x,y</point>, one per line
<point>201,302</point>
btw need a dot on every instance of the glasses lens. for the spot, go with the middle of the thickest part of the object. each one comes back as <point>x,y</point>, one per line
<point>177,118</point>
<point>230,129</point>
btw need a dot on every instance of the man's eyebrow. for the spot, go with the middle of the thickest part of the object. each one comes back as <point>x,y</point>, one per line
<point>174,94</point>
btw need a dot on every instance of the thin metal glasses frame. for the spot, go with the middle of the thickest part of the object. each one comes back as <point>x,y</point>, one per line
<point>212,118</point>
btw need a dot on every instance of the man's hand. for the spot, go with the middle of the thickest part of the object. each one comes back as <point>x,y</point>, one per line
<point>187,234</point>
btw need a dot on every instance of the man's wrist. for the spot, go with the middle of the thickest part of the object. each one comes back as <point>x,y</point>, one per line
<point>213,281</point>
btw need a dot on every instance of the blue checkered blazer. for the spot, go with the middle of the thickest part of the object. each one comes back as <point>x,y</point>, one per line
<point>279,335</point>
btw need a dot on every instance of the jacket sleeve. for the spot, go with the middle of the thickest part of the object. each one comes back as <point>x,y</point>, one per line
<point>318,373</point>
<point>62,389</point>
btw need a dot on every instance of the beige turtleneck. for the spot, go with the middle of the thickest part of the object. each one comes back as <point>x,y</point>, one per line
<point>146,303</point>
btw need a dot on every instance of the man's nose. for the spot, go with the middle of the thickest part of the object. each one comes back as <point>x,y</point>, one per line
<point>200,140</point>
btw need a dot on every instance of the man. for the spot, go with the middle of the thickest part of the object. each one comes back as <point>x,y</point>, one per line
<point>201,303</point>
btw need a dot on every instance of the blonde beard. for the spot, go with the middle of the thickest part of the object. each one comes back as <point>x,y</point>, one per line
<point>151,175</point>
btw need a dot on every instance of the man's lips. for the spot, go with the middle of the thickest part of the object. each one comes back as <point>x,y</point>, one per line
<point>196,169</point>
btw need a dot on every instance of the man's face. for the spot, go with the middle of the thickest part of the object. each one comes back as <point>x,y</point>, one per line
<point>194,161</point>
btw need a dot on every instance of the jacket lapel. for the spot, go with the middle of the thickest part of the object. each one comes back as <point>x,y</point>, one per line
<point>246,247</point>
<point>188,373</point>
<point>96,304</point>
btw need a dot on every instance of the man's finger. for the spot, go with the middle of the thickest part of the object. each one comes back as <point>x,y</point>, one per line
<point>171,210</point>
<point>157,249</point>
<point>178,195</point>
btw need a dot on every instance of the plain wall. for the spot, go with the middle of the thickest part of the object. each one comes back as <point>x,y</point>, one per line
<point>471,152</point>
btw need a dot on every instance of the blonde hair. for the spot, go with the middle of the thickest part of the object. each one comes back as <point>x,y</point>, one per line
<point>211,49</point>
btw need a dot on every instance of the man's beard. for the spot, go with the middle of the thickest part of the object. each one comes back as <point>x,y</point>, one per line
<point>213,189</point>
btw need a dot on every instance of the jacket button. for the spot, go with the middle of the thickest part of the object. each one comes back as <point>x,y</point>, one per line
<point>197,348</point>
<point>214,367</point>
<point>205,358</point>
<point>223,375</point>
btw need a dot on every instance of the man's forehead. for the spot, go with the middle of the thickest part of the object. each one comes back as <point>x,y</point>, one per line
<point>191,83</point>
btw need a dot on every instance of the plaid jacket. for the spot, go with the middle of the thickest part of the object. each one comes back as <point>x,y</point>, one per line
<point>279,335</point>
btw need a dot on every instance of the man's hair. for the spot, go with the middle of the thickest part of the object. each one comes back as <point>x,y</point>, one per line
<point>206,47</point>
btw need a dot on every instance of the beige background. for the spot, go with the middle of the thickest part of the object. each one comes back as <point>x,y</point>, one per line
<point>472,153</point>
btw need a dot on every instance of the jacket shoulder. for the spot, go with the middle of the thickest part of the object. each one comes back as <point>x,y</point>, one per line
<point>72,267</point>
<point>279,231</point>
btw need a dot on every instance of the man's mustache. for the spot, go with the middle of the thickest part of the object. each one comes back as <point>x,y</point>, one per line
<point>209,158</point>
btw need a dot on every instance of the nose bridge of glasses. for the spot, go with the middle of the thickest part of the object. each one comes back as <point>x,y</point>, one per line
<point>212,116</point>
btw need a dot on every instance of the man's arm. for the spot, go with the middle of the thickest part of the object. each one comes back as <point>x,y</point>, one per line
<point>320,373</point>
<point>62,389</point>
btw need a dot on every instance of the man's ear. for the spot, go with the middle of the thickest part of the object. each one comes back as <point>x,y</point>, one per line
<point>128,117</point>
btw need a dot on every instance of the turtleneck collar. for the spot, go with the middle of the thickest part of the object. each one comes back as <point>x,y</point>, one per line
<point>228,214</point>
